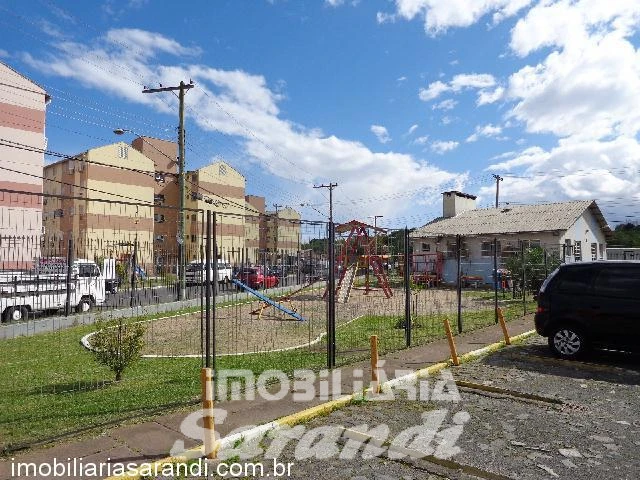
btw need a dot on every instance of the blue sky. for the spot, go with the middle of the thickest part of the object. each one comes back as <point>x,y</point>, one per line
<point>395,101</point>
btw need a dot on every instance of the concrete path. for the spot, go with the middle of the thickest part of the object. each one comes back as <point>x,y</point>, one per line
<point>154,439</point>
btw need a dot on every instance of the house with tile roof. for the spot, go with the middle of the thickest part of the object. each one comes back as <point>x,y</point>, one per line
<point>573,230</point>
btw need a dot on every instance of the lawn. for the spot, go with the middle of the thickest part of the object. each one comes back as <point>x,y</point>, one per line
<point>50,385</point>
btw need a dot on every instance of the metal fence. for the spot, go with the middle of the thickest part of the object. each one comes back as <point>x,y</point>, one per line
<point>267,306</point>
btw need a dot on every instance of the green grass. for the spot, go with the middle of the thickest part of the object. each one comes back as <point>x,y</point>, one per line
<point>50,385</point>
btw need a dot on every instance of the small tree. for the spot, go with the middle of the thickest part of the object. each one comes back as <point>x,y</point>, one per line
<point>535,270</point>
<point>118,345</point>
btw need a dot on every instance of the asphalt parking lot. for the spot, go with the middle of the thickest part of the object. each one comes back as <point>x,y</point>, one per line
<point>521,414</point>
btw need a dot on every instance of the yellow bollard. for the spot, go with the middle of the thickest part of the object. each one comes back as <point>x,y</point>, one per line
<point>375,384</point>
<point>503,325</point>
<point>210,444</point>
<point>452,344</point>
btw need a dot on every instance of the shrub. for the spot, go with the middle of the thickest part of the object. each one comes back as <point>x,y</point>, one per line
<point>117,345</point>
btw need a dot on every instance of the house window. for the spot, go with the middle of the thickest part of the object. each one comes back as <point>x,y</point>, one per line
<point>426,247</point>
<point>577,251</point>
<point>123,151</point>
<point>594,251</point>
<point>601,251</point>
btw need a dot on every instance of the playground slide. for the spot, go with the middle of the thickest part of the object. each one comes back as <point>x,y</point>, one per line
<point>347,284</point>
<point>266,299</point>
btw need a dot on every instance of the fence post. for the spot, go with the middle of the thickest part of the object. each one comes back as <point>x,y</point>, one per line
<point>503,325</point>
<point>452,343</point>
<point>495,276</point>
<point>459,286</point>
<point>524,280</point>
<point>546,264</point>
<point>331,314</point>
<point>67,302</point>
<point>133,272</point>
<point>375,384</point>
<point>214,290</point>
<point>407,289</point>
<point>210,444</point>
<point>207,295</point>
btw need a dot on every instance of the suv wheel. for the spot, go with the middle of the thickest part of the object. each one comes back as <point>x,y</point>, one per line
<point>567,342</point>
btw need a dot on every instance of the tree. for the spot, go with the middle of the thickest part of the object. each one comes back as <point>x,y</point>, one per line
<point>118,345</point>
<point>534,267</point>
<point>626,235</point>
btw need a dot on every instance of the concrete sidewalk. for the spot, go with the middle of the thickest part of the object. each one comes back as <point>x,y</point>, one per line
<point>154,439</point>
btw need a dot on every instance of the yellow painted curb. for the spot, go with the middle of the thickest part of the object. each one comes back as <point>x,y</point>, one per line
<point>328,407</point>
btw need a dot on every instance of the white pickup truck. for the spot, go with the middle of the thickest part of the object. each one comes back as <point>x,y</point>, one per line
<point>46,289</point>
<point>196,273</point>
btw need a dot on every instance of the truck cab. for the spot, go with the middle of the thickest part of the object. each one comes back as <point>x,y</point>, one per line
<point>45,288</point>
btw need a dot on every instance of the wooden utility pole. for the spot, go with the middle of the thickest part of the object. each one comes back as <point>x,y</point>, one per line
<point>182,88</point>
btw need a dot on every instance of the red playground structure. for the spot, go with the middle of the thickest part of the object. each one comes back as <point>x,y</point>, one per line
<point>357,253</point>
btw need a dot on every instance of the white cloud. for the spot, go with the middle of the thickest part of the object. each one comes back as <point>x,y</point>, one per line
<point>4,53</point>
<point>440,146</point>
<point>440,15</point>
<point>421,140</point>
<point>382,17</point>
<point>485,131</point>
<point>463,81</point>
<point>573,170</point>
<point>381,133</point>
<point>412,129</point>
<point>486,96</point>
<point>334,3</point>
<point>589,86</point>
<point>242,105</point>
<point>448,104</point>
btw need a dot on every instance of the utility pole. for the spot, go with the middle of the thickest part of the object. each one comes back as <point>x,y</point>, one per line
<point>275,238</point>
<point>331,310</point>
<point>495,253</point>
<point>181,162</point>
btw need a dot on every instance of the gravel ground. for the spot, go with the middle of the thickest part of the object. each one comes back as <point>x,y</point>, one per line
<point>584,425</point>
<point>238,331</point>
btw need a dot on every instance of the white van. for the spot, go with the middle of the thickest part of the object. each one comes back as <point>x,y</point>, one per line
<point>195,272</point>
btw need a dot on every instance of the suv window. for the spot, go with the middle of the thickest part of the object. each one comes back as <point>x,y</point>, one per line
<point>575,279</point>
<point>618,281</point>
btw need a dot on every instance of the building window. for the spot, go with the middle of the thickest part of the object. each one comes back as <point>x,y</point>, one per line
<point>159,177</point>
<point>123,151</point>
<point>194,217</point>
<point>577,251</point>
<point>193,238</point>
<point>222,169</point>
<point>160,238</point>
<point>158,199</point>
<point>486,249</point>
<point>158,217</point>
<point>196,196</point>
<point>594,251</point>
<point>426,247</point>
<point>58,213</point>
<point>601,251</point>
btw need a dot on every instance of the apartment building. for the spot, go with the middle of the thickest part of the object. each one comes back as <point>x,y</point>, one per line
<point>255,208</point>
<point>105,207</point>
<point>220,188</point>
<point>166,199</point>
<point>22,138</point>
<point>281,238</point>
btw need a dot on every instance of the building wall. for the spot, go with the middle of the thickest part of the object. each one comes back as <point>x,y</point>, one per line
<point>164,155</point>
<point>586,231</point>
<point>22,120</point>
<point>220,188</point>
<point>102,228</point>
<point>283,233</point>
<point>255,208</point>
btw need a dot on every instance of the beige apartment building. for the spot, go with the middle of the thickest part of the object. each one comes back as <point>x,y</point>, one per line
<point>220,188</point>
<point>281,238</point>
<point>22,129</point>
<point>91,185</point>
<point>255,208</point>
<point>166,199</point>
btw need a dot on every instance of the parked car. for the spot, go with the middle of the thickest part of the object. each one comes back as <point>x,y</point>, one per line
<point>590,304</point>
<point>196,273</point>
<point>254,278</point>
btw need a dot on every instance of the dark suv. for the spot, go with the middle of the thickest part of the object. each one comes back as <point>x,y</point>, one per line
<point>588,304</point>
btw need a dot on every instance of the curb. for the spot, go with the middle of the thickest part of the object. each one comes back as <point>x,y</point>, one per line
<point>322,409</point>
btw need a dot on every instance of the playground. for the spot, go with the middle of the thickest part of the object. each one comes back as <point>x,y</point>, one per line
<point>241,328</point>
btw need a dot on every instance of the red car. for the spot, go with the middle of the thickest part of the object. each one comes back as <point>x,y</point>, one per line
<point>254,278</point>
